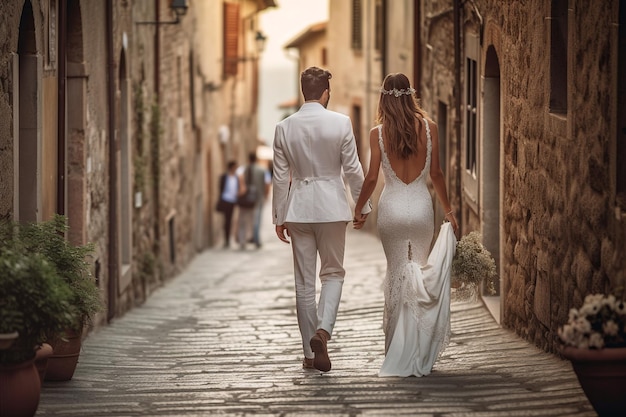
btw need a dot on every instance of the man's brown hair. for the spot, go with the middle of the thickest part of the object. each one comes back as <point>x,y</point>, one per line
<point>314,81</point>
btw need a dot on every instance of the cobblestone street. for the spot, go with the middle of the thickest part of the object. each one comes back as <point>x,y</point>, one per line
<point>222,339</point>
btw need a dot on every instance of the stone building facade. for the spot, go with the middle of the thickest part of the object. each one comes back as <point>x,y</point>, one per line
<point>123,125</point>
<point>541,143</point>
<point>530,105</point>
<point>312,50</point>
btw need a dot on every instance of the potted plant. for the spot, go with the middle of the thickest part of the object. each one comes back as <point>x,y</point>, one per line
<point>70,261</point>
<point>10,321</point>
<point>472,266</point>
<point>35,300</point>
<point>594,340</point>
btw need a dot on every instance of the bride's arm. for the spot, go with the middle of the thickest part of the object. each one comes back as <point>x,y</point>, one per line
<point>371,178</point>
<point>436,175</point>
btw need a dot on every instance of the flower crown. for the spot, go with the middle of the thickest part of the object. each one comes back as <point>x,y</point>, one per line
<point>398,93</point>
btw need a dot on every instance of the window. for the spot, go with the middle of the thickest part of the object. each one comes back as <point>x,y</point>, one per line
<point>558,57</point>
<point>356,127</point>
<point>470,140</point>
<point>51,34</point>
<point>172,238</point>
<point>471,103</point>
<point>231,38</point>
<point>192,90</point>
<point>357,30</point>
<point>378,26</point>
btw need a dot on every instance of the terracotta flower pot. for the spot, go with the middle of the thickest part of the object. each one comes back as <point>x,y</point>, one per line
<point>42,354</point>
<point>20,389</point>
<point>7,339</point>
<point>602,376</point>
<point>62,363</point>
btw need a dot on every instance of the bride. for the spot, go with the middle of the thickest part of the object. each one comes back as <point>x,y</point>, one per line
<point>416,319</point>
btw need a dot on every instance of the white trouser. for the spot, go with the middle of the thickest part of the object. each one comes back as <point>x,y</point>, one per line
<point>307,240</point>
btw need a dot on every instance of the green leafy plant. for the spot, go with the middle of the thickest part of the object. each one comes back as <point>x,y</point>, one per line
<point>472,265</point>
<point>35,301</point>
<point>70,261</point>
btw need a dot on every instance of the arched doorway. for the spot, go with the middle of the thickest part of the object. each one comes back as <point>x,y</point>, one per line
<point>27,155</point>
<point>124,220</point>
<point>490,193</point>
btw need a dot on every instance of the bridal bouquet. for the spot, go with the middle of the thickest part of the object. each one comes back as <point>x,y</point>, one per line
<point>599,323</point>
<point>472,265</point>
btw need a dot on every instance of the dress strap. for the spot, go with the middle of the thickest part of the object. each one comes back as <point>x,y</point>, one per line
<point>429,144</point>
<point>381,144</point>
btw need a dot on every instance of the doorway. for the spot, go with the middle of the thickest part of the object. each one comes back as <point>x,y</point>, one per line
<point>491,176</point>
<point>27,155</point>
<point>124,221</point>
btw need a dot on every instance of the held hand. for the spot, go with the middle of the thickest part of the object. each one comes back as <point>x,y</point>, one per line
<point>359,220</point>
<point>450,217</point>
<point>282,232</point>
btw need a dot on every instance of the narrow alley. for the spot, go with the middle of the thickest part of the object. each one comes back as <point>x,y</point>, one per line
<point>222,339</point>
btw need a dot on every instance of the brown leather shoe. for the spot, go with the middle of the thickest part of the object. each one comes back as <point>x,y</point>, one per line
<point>318,345</point>
<point>307,363</point>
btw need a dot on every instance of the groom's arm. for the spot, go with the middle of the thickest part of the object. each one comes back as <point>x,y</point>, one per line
<point>352,168</point>
<point>280,179</point>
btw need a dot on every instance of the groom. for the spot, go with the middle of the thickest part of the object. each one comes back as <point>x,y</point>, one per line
<point>314,149</point>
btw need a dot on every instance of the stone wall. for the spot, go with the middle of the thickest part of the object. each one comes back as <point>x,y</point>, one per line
<point>562,233</point>
<point>438,87</point>
<point>174,154</point>
<point>9,22</point>
<point>558,178</point>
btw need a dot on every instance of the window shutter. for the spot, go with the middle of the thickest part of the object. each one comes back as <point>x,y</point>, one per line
<point>231,38</point>
<point>378,27</point>
<point>356,25</point>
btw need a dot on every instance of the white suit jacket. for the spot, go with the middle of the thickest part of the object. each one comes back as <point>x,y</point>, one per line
<point>314,157</point>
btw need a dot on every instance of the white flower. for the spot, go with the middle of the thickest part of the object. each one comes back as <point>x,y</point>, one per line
<point>591,308</point>
<point>581,329</point>
<point>596,340</point>
<point>611,328</point>
<point>472,263</point>
<point>593,298</point>
<point>566,333</point>
<point>573,314</point>
<point>582,325</point>
<point>609,301</point>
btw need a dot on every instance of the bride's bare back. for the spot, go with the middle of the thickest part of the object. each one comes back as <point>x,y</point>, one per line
<point>407,170</point>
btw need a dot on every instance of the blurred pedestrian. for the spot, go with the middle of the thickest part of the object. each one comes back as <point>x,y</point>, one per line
<point>405,143</point>
<point>229,189</point>
<point>314,150</point>
<point>254,187</point>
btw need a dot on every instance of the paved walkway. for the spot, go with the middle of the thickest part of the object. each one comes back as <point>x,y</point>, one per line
<point>222,339</point>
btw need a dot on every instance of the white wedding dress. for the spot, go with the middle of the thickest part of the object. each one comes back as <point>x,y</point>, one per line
<point>416,318</point>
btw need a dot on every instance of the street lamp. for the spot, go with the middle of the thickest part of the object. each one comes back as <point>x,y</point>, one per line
<point>180,9</point>
<point>260,41</point>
